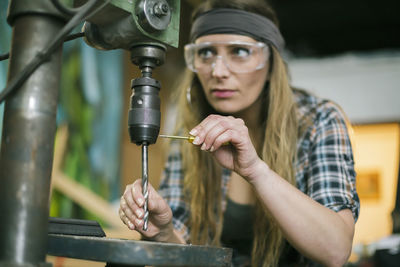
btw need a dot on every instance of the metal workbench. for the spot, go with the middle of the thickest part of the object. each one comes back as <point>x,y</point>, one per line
<point>122,252</point>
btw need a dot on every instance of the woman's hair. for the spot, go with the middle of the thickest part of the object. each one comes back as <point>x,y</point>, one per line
<point>202,180</point>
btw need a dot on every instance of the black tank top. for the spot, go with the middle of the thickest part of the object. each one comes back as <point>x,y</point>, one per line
<point>237,232</point>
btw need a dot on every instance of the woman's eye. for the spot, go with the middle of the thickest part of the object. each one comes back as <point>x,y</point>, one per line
<point>241,52</point>
<point>205,53</point>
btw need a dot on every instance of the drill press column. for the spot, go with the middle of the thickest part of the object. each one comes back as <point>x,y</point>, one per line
<point>144,115</point>
<point>29,128</point>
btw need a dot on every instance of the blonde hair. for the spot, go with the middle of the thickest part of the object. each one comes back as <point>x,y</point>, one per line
<point>202,175</point>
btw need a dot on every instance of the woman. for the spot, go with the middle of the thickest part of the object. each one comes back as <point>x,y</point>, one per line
<point>278,182</point>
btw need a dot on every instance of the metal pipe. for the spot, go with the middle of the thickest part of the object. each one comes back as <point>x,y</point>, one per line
<point>27,144</point>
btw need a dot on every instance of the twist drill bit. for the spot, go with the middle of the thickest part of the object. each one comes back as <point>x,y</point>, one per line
<point>145,183</point>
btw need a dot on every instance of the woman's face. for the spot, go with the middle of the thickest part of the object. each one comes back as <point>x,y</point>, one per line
<point>227,91</point>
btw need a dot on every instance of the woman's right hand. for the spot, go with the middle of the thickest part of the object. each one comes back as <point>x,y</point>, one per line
<point>131,212</point>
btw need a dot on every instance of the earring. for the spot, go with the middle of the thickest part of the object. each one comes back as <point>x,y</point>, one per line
<point>189,95</point>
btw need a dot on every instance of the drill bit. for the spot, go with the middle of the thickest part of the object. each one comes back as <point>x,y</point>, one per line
<point>145,183</point>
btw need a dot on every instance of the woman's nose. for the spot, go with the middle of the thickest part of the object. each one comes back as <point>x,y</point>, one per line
<point>219,67</point>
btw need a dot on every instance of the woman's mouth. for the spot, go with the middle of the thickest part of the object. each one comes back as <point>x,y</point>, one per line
<point>222,93</point>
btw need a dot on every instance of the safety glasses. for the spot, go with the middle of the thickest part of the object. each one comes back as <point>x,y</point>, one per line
<point>238,57</point>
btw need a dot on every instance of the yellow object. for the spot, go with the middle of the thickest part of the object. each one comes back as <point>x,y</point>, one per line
<point>376,156</point>
<point>189,138</point>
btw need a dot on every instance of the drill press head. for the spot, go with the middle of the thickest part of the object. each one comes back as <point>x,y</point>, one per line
<point>123,23</point>
<point>142,27</point>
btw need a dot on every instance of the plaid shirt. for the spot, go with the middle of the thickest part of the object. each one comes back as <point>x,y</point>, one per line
<point>324,166</point>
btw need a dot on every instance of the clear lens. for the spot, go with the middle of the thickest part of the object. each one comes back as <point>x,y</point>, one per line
<point>238,57</point>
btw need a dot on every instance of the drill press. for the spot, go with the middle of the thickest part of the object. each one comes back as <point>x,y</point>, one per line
<point>140,26</point>
<point>153,24</point>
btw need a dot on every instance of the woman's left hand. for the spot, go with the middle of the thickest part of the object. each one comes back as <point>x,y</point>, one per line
<point>215,131</point>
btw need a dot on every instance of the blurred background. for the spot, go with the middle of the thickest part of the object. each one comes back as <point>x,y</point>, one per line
<point>346,51</point>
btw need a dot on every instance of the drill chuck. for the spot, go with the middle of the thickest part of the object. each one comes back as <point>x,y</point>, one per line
<point>144,114</point>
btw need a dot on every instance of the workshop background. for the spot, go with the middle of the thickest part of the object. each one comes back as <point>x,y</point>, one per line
<point>347,51</point>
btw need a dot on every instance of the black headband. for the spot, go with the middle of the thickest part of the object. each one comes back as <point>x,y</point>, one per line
<point>235,21</point>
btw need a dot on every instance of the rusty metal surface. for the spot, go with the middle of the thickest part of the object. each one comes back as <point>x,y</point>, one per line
<point>140,253</point>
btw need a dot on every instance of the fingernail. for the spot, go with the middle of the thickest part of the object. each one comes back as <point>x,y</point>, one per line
<point>131,226</point>
<point>138,221</point>
<point>196,141</point>
<point>203,146</point>
<point>139,213</point>
<point>193,132</point>
<point>211,148</point>
<point>141,201</point>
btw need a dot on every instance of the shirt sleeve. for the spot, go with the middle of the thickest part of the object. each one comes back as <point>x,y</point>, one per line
<point>331,171</point>
<point>171,189</point>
